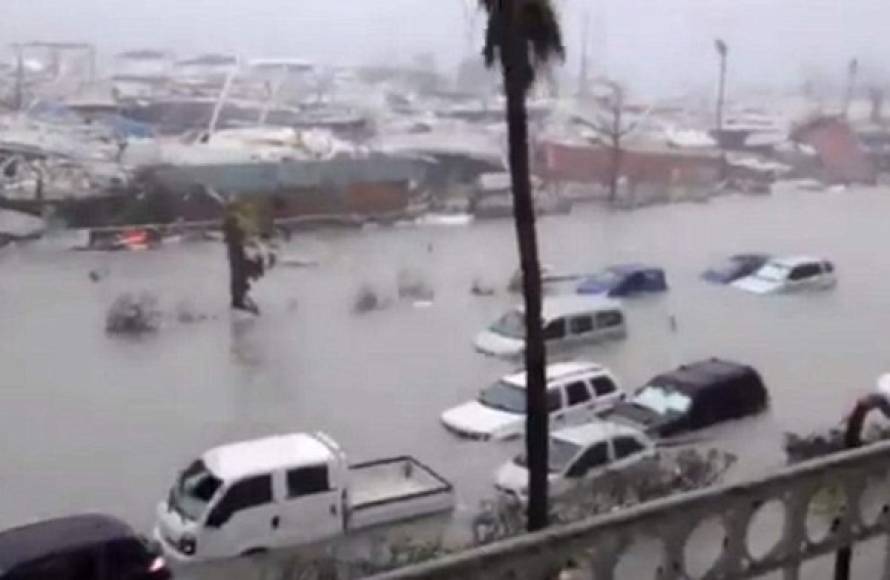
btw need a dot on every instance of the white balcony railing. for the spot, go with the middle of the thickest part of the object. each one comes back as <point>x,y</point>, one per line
<point>773,527</point>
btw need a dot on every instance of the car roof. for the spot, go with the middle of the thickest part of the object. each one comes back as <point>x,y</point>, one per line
<point>591,433</point>
<point>39,540</point>
<point>570,304</point>
<point>558,371</point>
<point>259,456</point>
<point>792,261</point>
<point>631,268</point>
<point>701,375</point>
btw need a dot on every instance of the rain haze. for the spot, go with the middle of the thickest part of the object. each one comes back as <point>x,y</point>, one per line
<point>302,288</point>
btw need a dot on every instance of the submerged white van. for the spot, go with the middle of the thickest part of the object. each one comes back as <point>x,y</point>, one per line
<point>568,320</point>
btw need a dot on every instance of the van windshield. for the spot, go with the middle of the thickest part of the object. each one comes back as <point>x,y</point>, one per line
<point>194,490</point>
<point>511,325</point>
<point>662,400</point>
<point>504,397</point>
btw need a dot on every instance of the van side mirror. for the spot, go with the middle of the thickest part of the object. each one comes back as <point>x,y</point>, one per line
<point>218,517</point>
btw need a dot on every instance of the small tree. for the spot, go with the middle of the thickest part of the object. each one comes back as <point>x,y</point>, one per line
<point>611,126</point>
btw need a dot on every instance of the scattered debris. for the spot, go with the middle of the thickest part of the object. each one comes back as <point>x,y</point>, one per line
<point>368,300</point>
<point>413,286</point>
<point>821,443</point>
<point>99,274</point>
<point>292,261</point>
<point>481,288</point>
<point>667,474</point>
<point>187,313</point>
<point>133,314</point>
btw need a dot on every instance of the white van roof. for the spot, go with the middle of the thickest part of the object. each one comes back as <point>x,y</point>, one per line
<point>258,456</point>
<point>558,371</point>
<point>571,304</point>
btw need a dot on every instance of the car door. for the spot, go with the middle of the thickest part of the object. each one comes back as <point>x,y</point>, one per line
<point>310,508</point>
<point>556,406</point>
<point>589,465</point>
<point>580,402</point>
<point>244,519</point>
<point>606,393</point>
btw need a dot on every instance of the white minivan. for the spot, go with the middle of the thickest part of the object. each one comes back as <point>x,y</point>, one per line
<point>577,392</point>
<point>790,274</point>
<point>568,320</point>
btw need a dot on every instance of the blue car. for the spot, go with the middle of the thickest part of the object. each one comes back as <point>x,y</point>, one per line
<point>735,267</point>
<point>625,280</point>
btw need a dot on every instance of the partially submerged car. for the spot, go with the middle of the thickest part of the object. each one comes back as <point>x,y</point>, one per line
<point>85,547</point>
<point>692,397</point>
<point>579,454</point>
<point>791,274</point>
<point>735,267</point>
<point>624,280</point>
<point>577,392</point>
<point>568,321</point>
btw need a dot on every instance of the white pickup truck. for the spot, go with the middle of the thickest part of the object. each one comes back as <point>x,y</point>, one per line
<point>285,491</point>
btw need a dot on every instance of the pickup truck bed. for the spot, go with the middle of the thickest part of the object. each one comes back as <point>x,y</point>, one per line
<point>400,488</point>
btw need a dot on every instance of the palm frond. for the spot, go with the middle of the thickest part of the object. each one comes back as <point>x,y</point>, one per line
<point>538,25</point>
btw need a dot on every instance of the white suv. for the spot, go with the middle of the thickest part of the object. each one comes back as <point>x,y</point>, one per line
<point>577,392</point>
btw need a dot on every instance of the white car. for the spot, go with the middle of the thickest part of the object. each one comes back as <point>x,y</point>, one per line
<point>789,275</point>
<point>579,454</point>
<point>577,392</point>
<point>568,320</point>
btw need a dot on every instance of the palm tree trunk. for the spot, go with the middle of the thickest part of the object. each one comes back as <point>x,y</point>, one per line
<point>516,66</point>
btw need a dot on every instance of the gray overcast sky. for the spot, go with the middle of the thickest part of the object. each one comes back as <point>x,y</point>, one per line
<point>655,45</point>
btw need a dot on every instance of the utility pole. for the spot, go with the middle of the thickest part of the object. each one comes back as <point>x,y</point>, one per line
<point>584,72</point>
<point>722,52</point>
<point>852,72</point>
<point>19,78</point>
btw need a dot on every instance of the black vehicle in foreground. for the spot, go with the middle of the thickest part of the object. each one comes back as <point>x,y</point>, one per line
<point>693,397</point>
<point>83,547</point>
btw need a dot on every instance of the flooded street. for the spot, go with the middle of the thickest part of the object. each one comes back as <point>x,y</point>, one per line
<point>94,422</point>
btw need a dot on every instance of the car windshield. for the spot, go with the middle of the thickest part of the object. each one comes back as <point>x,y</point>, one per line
<point>559,455</point>
<point>504,397</point>
<point>726,269</point>
<point>511,325</point>
<point>773,272</point>
<point>194,490</point>
<point>662,400</point>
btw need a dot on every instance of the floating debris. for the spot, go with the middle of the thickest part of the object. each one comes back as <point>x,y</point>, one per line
<point>131,314</point>
<point>187,313</point>
<point>413,286</point>
<point>368,300</point>
<point>481,288</point>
